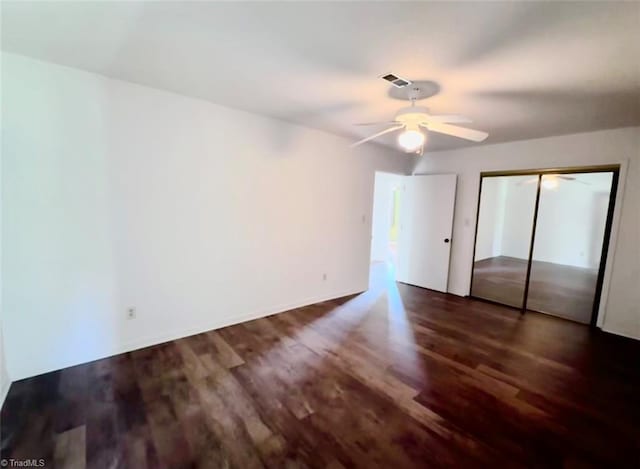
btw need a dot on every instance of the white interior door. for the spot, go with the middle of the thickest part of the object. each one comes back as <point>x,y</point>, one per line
<point>426,221</point>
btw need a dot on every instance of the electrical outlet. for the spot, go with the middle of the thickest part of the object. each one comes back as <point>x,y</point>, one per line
<point>324,276</point>
<point>131,313</point>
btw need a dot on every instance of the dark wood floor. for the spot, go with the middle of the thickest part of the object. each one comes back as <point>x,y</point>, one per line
<point>398,377</point>
<point>561,290</point>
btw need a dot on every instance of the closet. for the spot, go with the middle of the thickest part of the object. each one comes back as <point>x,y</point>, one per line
<point>541,239</point>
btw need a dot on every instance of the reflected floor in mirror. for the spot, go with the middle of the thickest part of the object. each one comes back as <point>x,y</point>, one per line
<point>396,377</point>
<point>561,290</point>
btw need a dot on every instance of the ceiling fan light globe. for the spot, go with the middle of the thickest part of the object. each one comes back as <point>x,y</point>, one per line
<point>411,140</point>
<point>549,183</point>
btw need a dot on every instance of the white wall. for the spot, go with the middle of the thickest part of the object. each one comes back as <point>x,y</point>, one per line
<point>5,382</point>
<point>506,217</point>
<point>571,223</point>
<point>571,219</point>
<point>118,195</point>
<point>621,301</point>
<point>381,218</point>
<point>490,225</point>
<point>519,207</point>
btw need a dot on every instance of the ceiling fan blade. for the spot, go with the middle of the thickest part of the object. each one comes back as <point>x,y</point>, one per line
<point>371,137</point>
<point>449,119</point>
<point>376,123</point>
<point>528,181</point>
<point>460,132</point>
<point>573,179</point>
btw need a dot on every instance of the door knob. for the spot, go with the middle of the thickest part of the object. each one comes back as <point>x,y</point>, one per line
<point>446,240</point>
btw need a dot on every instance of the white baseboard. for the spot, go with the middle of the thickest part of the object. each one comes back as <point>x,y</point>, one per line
<point>224,322</point>
<point>167,336</point>
<point>623,334</point>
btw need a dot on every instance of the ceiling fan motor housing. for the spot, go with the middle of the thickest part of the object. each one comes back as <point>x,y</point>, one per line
<point>412,115</point>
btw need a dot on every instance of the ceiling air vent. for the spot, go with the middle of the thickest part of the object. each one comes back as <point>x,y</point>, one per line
<point>395,80</point>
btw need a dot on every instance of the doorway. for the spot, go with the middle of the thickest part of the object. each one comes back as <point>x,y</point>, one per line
<point>385,222</point>
<point>542,237</point>
<point>411,227</point>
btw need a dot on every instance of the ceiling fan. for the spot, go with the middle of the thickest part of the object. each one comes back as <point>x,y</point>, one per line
<point>415,121</point>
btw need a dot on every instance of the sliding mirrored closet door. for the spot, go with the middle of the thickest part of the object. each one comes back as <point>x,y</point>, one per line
<point>503,239</point>
<point>541,240</point>
<point>570,229</point>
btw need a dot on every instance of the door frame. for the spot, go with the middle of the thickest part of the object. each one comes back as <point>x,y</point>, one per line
<point>606,241</point>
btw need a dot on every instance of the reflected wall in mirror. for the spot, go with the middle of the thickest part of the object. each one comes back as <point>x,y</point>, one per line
<point>503,238</point>
<point>570,230</point>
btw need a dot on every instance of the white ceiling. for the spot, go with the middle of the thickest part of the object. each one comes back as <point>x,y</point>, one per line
<point>519,70</point>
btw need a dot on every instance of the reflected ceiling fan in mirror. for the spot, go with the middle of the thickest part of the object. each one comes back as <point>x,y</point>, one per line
<point>415,122</point>
<point>551,181</point>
